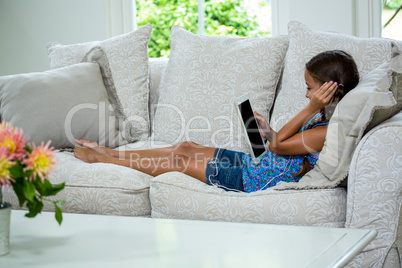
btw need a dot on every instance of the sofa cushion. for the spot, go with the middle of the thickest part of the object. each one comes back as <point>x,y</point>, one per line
<point>103,189</point>
<point>176,195</point>
<point>99,188</point>
<point>128,60</point>
<point>61,105</point>
<point>304,44</point>
<point>204,75</point>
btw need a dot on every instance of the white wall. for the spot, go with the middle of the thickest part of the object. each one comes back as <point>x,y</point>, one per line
<point>26,26</point>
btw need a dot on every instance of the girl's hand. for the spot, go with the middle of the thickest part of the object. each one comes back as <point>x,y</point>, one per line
<point>324,95</point>
<point>265,129</point>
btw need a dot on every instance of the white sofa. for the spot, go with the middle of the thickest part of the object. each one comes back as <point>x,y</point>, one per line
<point>369,198</point>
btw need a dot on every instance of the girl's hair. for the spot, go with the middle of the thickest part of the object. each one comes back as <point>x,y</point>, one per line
<point>337,66</point>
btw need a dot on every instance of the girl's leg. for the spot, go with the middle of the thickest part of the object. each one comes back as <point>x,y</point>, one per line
<point>194,167</point>
<point>189,149</point>
<point>121,154</point>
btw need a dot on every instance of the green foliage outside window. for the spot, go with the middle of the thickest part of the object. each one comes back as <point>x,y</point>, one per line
<point>222,17</point>
<point>395,5</point>
<point>392,4</point>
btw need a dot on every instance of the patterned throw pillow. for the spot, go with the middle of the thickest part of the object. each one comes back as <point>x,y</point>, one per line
<point>369,53</point>
<point>128,61</point>
<point>203,77</point>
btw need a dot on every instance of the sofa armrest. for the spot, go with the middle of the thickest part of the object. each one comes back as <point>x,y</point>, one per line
<point>374,189</point>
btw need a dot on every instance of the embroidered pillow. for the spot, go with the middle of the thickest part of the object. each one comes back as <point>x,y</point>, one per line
<point>127,55</point>
<point>369,53</point>
<point>203,77</point>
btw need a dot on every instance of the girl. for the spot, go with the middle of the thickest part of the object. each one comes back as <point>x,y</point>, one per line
<point>293,150</point>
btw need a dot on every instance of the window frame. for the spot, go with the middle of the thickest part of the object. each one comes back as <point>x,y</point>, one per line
<point>121,16</point>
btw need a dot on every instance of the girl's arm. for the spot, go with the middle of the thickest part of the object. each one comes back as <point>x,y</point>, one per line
<point>289,141</point>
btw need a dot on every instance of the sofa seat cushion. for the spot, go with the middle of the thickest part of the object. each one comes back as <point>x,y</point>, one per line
<point>176,195</point>
<point>99,188</point>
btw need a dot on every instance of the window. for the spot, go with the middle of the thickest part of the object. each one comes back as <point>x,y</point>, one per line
<point>392,19</point>
<point>241,18</point>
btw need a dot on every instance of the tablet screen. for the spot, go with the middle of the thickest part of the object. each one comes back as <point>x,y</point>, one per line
<point>250,123</point>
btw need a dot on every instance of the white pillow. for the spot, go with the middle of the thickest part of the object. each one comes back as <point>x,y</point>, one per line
<point>304,44</point>
<point>128,60</point>
<point>204,75</point>
<point>61,105</point>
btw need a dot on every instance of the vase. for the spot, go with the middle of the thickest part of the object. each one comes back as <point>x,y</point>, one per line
<point>5,213</point>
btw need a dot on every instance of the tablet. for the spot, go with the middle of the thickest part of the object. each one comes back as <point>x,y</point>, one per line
<point>250,127</point>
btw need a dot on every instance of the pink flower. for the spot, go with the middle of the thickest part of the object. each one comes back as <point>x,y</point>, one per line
<point>41,161</point>
<point>12,138</point>
<point>4,125</point>
<point>5,164</point>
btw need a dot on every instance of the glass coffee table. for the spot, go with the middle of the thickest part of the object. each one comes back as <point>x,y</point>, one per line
<point>116,241</point>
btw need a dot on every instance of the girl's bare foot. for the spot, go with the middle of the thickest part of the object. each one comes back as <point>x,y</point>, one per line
<point>89,155</point>
<point>96,147</point>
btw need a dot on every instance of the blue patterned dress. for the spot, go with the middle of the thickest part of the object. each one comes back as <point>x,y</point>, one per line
<point>274,168</point>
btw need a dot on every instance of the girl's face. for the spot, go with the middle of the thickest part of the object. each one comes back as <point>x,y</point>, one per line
<point>312,84</point>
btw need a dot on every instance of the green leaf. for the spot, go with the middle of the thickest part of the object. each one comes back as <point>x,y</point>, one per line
<point>29,190</point>
<point>17,171</point>
<point>28,173</point>
<point>28,149</point>
<point>58,187</point>
<point>44,188</point>
<point>17,187</point>
<point>58,215</point>
<point>34,208</point>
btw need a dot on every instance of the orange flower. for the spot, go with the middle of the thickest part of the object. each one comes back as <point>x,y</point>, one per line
<point>5,164</point>
<point>41,161</point>
<point>12,138</point>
